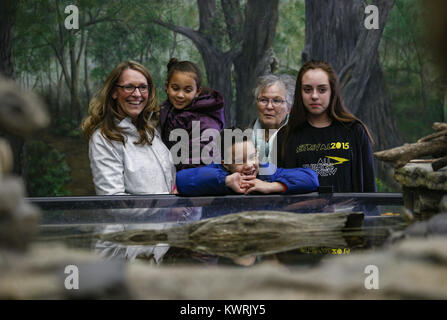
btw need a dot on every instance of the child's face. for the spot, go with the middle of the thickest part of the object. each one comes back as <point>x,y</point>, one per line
<point>182,89</point>
<point>244,159</point>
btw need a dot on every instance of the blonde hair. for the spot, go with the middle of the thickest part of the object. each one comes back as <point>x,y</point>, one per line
<point>103,109</point>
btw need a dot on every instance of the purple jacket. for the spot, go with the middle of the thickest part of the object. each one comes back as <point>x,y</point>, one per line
<point>208,109</point>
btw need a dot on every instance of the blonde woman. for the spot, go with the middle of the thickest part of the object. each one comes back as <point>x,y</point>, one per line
<point>127,155</point>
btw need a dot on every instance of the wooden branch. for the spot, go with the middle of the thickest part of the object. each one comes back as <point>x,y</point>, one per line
<point>193,35</point>
<point>433,136</point>
<point>439,126</point>
<point>402,155</point>
<point>438,164</point>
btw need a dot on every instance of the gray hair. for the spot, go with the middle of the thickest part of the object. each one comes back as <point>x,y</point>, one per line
<point>287,81</point>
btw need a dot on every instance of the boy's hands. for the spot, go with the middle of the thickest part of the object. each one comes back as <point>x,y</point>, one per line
<point>265,187</point>
<point>238,183</point>
<point>247,184</point>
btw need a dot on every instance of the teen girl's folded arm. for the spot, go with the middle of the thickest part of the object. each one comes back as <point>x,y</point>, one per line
<point>201,181</point>
<point>106,165</point>
<point>297,180</point>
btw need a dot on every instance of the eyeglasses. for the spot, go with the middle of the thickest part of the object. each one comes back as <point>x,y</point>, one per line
<point>128,88</point>
<point>276,102</point>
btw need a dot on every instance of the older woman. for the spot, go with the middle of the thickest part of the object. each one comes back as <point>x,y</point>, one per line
<point>126,153</point>
<point>274,98</point>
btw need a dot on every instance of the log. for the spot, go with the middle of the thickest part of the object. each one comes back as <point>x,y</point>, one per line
<point>433,136</point>
<point>439,126</point>
<point>402,155</point>
<point>247,233</point>
<point>439,163</point>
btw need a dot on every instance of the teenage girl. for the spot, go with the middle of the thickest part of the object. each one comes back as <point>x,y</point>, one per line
<point>324,136</point>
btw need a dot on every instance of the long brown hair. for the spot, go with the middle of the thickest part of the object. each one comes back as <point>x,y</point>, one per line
<point>103,109</point>
<point>336,110</point>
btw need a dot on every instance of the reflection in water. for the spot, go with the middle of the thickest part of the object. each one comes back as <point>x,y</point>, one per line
<point>248,233</point>
<point>209,234</point>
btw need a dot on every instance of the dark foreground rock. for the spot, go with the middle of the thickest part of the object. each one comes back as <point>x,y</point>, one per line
<point>410,269</point>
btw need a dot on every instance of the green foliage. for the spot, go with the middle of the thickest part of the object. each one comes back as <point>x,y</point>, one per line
<point>47,173</point>
<point>383,187</point>
<point>66,127</point>
<point>290,35</point>
<point>414,85</point>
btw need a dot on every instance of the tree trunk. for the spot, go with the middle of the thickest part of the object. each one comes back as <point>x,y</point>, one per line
<point>257,57</point>
<point>8,9</point>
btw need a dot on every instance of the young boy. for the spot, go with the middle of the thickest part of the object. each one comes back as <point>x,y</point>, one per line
<point>242,175</point>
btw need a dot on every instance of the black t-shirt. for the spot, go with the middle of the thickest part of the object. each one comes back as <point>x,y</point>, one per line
<point>328,151</point>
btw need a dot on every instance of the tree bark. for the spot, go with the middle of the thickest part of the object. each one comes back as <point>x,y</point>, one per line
<point>257,56</point>
<point>8,9</point>
<point>251,38</point>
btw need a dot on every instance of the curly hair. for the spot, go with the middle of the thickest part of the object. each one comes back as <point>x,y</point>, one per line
<point>103,109</point>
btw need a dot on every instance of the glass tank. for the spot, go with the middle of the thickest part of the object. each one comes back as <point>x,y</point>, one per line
<point>169,229</point>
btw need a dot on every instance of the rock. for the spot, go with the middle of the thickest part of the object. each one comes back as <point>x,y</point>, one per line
<point>20,112</point>
<point>443,204</point>
<point>248,233</point>
<point>422,175</point>
<point>19,219</point>
<point>412,269</point>
<point>6,161</point>
<point>41,274</point>
<point>12,191</point>
<point>423,188</point>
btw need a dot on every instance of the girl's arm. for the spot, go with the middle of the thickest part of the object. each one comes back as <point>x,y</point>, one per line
<point>297,180</point>
<point>207,180</point>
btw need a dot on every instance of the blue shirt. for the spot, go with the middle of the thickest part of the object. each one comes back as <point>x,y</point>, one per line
<point>210,180</point>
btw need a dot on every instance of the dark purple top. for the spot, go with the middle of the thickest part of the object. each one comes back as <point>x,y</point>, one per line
<point>208,109</point>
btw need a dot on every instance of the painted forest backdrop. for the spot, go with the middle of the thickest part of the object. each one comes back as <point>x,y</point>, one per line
<point>388,76</point>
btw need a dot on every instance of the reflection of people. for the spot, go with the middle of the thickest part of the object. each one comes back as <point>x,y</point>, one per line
<point>127,155</point>
<point>322,135</point>
<point>241,175</point>
<point>189,102</point>
<point>274,98</point>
